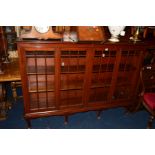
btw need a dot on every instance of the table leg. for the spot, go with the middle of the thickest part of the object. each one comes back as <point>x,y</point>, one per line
<point>2,102</point>
<point>14,86</point>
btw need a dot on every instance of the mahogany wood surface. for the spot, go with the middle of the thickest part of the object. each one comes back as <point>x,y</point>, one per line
<point>10,71</point>
<point>64,78</point>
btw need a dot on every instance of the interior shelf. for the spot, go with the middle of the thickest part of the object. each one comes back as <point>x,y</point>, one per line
<point>38,91</point>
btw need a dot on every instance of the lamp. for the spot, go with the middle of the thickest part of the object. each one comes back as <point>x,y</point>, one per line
<point>135,36</point>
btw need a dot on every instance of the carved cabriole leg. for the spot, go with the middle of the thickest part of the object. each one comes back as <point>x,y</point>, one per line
<point>28,123</point>
<point>149,125</point>
<point>66,119</point>
<point>99,114</point>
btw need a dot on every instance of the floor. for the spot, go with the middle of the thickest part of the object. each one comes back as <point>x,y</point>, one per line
<point>116,118</point>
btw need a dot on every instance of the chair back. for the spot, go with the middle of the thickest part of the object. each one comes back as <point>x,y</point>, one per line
<point>147,78</point>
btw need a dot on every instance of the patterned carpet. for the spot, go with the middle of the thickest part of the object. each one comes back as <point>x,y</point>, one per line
<point>115,118</point>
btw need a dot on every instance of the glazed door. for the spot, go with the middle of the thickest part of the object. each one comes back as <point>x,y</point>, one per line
<point>104,66</point>
<point>39,79</point>
<point>72,77</point>
<point>128,73</point>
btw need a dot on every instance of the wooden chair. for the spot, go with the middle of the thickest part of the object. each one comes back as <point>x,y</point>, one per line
<point>147,95</point>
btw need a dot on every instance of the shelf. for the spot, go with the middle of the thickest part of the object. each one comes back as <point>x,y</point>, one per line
<point>42,86</point>
<point>73,88</point>
<point>39,56</point>
<point>123,85</point>
<point>129,53</point>
<point>40,70</point>
<point>109,53</point>
<point>102,72</point>
<point>70,53</point>
<point>73,56</point>
<point>103,68</point>
<point>126,67</point>
<point>72,72</point>
<point>103,86</point>
<point>37,74</point>
<point>41,91</point>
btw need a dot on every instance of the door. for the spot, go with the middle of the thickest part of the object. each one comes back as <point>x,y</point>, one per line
<point>38,78</point>
<point>72,77</point>
<point>102,74</point>
<point>128,73</point>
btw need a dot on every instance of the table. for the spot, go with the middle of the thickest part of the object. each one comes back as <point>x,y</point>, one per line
<point>10,74</point>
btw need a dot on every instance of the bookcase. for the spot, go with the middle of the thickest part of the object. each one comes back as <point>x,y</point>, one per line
<point>65,78</point>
